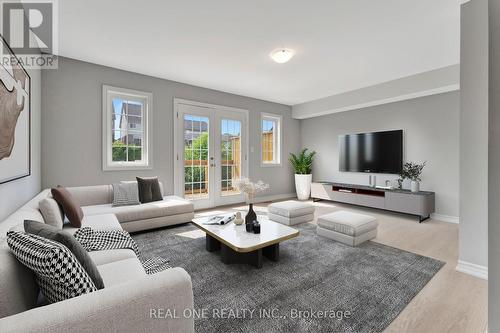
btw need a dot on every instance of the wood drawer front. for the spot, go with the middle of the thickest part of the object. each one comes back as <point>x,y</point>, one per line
<point>321,191</point>
<point>370,201</point>
<point>359,199</point>
<point>405,203</point>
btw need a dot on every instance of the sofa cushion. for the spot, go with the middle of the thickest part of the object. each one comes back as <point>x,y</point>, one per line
<point>290,220</point>
<point>121,271</point>
<point>15,221</point>
<point>59,274</point>
<point>107,256</point>
<point>66,239</point>
<point>170,205</point>
<point>71,208</point>
<point>348,223</point>
<point>125,194</point>
<point>105,221</point>
<point>157,222</point>
<point>52,212</point>
<point>149,189</point>
<point>18,289</point>
<point>92,195</point>
<point>95,194</point>
<point>291,208</point>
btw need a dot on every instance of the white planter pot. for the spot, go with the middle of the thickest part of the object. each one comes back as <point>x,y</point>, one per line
<point>415,186</point>
<point>303,186</point>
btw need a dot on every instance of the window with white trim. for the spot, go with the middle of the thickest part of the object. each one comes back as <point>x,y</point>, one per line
<point>126,128</point>
<point>270,139</point>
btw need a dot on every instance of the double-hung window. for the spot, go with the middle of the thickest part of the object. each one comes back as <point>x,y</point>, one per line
<point>126,129</point>
<point>271,139</point>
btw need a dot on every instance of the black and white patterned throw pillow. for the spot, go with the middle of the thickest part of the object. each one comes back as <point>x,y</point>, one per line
<point>58,272</point>
<point>125,194</point>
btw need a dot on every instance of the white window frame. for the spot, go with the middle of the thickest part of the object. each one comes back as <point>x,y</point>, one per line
<point>108,93</point>
<point>277,144</point>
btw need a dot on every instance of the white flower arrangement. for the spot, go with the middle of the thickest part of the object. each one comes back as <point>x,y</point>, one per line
<point>250,188</point>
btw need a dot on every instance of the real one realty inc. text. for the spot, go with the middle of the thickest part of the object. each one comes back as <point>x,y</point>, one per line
<point>260,313</point>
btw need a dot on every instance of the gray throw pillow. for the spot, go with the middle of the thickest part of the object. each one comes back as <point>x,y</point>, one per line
<point>149,189</point>
<point>125,194</point>
<point>51,212</point>
<point>66,239</point>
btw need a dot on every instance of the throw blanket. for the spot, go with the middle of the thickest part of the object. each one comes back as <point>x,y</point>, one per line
<point>97,240</point>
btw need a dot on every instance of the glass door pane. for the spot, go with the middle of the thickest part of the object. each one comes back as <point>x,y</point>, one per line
<point>230,155</point>
<point>196,165</point>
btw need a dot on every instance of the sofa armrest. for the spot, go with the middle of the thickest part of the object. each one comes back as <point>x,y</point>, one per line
<point>145,305</point>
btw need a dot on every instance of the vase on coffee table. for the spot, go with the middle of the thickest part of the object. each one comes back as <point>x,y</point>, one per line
<point>249,218</point>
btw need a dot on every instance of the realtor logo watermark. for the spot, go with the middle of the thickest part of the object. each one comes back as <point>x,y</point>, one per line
<point>31,30</point>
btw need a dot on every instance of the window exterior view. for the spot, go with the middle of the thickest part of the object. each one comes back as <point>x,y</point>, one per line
<point>127,130</point>
<point>196,153</point>
<point>271,139</point>
<point>196,156</point>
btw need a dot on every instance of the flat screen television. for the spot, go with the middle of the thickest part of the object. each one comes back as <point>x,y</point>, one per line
<point>377,152</point>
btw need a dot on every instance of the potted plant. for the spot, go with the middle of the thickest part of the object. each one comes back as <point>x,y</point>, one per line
<point>302,165</point>
<point>413,172</point>
<point>250,189</point>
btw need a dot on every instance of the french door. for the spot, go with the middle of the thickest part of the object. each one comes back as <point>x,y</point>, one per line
<point>211,153</point>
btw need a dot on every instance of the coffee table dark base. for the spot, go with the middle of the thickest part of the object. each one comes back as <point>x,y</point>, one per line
<point>254,258</point>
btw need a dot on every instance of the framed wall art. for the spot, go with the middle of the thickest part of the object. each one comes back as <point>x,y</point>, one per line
<point>15,117</point>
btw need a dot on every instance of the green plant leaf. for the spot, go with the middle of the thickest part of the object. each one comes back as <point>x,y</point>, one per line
<point>302,164</point>
<point>412,171</point>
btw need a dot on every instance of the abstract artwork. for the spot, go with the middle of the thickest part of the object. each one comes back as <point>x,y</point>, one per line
<point>15,117</point>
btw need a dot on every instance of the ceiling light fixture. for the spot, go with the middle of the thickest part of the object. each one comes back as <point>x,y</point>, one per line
<point>281,55</point>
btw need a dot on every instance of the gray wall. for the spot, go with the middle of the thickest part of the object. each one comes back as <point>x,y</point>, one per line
<point>494,166</point>
<point>71,138</point>
<point>473,235</point>
<point>15,193</point>
<point>430,127</point>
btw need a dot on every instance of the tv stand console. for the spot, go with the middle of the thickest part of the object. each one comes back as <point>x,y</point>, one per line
<point>420,203</point>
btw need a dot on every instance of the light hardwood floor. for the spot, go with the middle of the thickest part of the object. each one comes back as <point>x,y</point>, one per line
<point>451,301</point>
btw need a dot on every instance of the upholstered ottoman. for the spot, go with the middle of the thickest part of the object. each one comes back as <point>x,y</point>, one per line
<point>291,212</point>
<point>347,227</point>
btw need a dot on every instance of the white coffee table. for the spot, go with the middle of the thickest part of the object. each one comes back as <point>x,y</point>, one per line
<point>239,246</point>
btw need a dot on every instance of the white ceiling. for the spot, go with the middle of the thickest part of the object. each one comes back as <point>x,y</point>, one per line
<point>340,45</point>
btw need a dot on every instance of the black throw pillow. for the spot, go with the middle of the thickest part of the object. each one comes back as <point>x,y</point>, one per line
<point>149,189</point>
<point>66,239</point>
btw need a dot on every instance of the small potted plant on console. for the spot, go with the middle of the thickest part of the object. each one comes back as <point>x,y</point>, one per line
<point>413,172</point>
<point>302,164</point>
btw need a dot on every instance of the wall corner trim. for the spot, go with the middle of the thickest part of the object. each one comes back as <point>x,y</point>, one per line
<point>445,218</point>
<point>472,269</point>
<point>438,81</point>
<point>382,101</point>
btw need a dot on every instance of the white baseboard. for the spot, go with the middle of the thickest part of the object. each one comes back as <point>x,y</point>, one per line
<point>445,218</point>
<point>267,198</point>
<point>472,269</point>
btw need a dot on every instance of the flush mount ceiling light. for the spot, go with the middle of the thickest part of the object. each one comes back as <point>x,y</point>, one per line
<point>281,55</point>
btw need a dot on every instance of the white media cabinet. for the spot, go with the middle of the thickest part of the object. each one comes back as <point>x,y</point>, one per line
<point>420,203</point>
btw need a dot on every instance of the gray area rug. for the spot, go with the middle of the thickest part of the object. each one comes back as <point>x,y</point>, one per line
<point>358,289</point>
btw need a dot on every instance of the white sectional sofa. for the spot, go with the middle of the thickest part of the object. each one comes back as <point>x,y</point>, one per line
<point>96,200</point>
<point>130,295</point>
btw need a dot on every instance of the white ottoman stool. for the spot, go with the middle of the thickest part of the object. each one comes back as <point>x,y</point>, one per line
<point>347,227</point>
<point>291,212</point>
